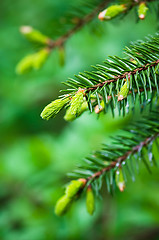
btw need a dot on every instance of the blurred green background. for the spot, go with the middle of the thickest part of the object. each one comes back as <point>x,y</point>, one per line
<point>35,155</point>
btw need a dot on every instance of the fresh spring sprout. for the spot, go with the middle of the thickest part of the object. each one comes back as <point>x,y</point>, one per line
<point>67,199</point>
<point>34,35</point>
<point>32,61</point>
<point>52,109</point>
<point>111,12</point>
<point>90,201</point>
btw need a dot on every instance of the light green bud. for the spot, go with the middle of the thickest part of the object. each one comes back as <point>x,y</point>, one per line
<point>76,103</point>
<point>142,10</point>
<point>74,187</point>
<point>70,117</point>
<point>25,65</point>
<point>111,12</point>
<point>119,178</point>
<point>123,91</point>
<point>90,201</point>
<point>62,205</point>
<point>100,108</point>
<point>52,109</point>
<point>40,58</point>
<point>61,51</point>
<point>34,35</point>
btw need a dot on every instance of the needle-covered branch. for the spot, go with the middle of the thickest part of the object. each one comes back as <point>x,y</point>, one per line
<point>35,36</point>
<point>114,163</point>
<point>118,82</point>
<point>48,44</point>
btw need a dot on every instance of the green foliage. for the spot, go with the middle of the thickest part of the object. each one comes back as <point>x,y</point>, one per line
<point>139,69</point>
<point>115,162</point>
<point>135,75</point>
<point>78,20</point>
<point>35,154</point>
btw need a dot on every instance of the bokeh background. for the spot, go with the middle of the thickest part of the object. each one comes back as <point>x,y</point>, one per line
<point>35,155</point>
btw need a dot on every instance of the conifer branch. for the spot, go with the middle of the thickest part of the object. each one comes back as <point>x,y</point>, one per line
<point>81,23</point>
<point>112,156</point>
<point>136,75</point>
<point>121,159</point>
<point>111,162</point>
<point>122,76</point>
<point>47,44</point>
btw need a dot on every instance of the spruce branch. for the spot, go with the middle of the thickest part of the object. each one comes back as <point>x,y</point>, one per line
<point>120,81</point>
<point>86,19</point>
<point>81,23</point>
<point>113,163</point>
<point>122,76</point>
<point>49,44</point>
<point>123,158</point>
<point>59,42</point>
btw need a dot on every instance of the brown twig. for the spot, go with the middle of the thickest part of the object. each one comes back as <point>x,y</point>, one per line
<point>121,159</point>
<point>82,22</point>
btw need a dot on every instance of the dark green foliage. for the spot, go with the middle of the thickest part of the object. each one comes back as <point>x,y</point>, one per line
<point>132,137</point>
<point>124,154</point>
